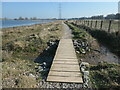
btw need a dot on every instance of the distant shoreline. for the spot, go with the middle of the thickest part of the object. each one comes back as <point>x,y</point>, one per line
<point>29,20</point>
<point>16,23</point>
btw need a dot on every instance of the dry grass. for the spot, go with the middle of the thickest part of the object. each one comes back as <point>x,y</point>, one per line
<point>21,45</point>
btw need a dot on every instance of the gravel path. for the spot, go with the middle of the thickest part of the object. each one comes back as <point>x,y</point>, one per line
<point>66,32</point>
<point>44,84</point>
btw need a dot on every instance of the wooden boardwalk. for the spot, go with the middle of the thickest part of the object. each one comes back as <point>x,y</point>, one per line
<point>65,67</point>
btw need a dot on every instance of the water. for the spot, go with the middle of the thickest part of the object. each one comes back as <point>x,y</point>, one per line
<point>15,23</point>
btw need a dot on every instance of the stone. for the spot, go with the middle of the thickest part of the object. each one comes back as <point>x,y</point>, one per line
<point>34,36</point>
<point>31,75</point>
<point>82,69</point>
<point>86,79</point>
<point>82,51</point>
<point>44,63</point>
<point>86,73</point>
<point>39,67</point>
<point>77,52</point>
<point>84,63</point>
<point>85,85</point>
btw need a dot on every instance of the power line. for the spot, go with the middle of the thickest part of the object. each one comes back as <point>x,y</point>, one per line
<point>59,10</point>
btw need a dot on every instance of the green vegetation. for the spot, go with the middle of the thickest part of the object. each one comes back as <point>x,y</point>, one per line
<point>83,36</point>
<point>110,40</point>
<point>105,75</point>
<point>16,73</point>
<point>21,45</point>
<point>78,33</point>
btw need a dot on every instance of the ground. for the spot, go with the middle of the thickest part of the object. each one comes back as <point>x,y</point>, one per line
<point>27,49</point>
<point>104,65</point>
<point>21,46</point>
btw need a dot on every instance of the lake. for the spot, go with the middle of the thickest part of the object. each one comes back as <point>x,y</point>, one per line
<point>15,23</point>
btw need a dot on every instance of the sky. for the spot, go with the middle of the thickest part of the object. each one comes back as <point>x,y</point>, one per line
<point>51,9</point>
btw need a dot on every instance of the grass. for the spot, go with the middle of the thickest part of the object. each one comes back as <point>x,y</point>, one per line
<point>105,75</point>
<point>21,45</point>
<point>81,34</point>
<point>78,33</point>
<point>110,40</point>
<point>15,73</point>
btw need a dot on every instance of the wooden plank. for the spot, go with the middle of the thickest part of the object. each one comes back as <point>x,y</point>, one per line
<point>55,73</point>
<point>66,69</point>
<point>65,66</point>
<point>67,59</point>
<point>70,60</point>
<point>75,67</point>
<point>65,79</point>
<point>56,61</point>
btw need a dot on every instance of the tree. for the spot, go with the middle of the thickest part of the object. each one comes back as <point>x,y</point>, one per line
<point>117,16</point>
<point>110,16</point>
<point>20,18</point>
<point>34,18</point>
<point>26,18</point>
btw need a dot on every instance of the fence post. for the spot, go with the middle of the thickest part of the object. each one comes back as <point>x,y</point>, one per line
<point>91,24</point>
<point>80,22</point>
<point>95,23</point>
<point>88,23</point>
<point>84,22</point>
<point>101,24</point>
<point>109,27</point>
<point>119,26</point>
<point>76,22</point>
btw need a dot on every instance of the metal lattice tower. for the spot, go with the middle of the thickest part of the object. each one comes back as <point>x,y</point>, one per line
<point>59,10</point>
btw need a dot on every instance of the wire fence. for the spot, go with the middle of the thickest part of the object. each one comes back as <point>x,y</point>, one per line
<point>107,25</point>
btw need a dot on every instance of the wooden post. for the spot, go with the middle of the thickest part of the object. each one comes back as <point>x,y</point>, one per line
<point>95,23</point>
<point>119,26</point>
<point>101,24</point>
<point>91,24</point>
<point>84,22</point>
<point>80,22</point>
<point>109,27</point>
<point>76,22</point>
<point>88,23</point>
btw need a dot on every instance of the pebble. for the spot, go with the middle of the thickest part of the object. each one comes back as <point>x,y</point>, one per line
<point>86,79</point>
<point>31,75</point>
<point>45,84</point>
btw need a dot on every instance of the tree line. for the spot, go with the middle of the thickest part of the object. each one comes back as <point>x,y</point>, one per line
<point>109,16</point>
<point>26,18</point>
